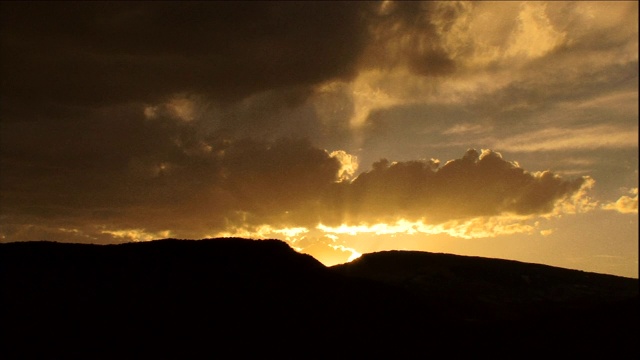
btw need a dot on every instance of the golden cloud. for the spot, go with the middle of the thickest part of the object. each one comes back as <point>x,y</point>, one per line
<point>478,184</point>
<point>625,204</point>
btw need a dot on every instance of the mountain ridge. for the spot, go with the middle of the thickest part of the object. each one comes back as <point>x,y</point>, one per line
<point>174,298</point>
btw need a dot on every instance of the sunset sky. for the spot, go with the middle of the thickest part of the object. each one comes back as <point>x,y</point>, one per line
<point>495,129</point>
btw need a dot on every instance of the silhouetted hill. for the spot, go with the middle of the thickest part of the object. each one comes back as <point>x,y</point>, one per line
<point>236,298</point>
<point>498,289</point>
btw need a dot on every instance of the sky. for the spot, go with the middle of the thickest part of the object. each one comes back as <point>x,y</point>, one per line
<point>495,129</point>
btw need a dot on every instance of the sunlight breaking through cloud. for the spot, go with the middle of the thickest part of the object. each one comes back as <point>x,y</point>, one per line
<point>264,231</point>
<point>137,235</point>
<point>577,202</point>
<point>348,164</point>
<point>354,254</point>
<point>479,227</point>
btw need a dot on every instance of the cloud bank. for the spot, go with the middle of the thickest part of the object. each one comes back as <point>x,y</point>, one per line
<point>230,185</point>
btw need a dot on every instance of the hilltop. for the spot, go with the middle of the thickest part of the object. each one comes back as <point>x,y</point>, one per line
<point>184,298</point>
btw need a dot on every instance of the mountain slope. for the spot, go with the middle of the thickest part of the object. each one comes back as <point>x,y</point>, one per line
<point>183,298</point>
<point>497,288</point>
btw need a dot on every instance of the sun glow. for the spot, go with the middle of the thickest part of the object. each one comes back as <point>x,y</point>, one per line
<point>354,253</point>
<point>479,227</point>
<point>137,235</point>
<point>326,243</point>
<point>264,231</point>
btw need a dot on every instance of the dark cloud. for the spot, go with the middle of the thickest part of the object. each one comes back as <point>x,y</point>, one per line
<point>248,64</point>
<point>240,183</point>
<point>284,177</point>
<point>100,53</point>
<point>402,33</point>
<point>474,185</point>
<point>611,28</point>
<point>294,184</point>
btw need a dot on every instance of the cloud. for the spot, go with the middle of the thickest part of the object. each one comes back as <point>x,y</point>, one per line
<point>322,245</point>
<point>478,184</point>
<point>328,250</point>
<point>348,164</point>
<point>473,228</point>
<point>558,139</point>
<point>483,34</point>
<point>518,68</point>
<point>625,204</point>
<point>489,34</point>
<point>403,34</point>
<point>251,70</point>
<point>547,232</point>
<point>291,184</point>
<point>108,53</point>
<point>136,235</point>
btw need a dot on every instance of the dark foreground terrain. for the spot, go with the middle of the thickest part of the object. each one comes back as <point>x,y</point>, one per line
<point>237,298</point>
